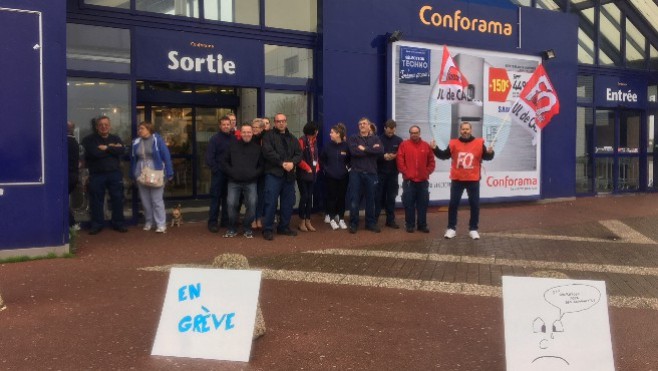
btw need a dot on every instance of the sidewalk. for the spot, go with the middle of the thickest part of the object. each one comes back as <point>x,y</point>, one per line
<point>333,300</point>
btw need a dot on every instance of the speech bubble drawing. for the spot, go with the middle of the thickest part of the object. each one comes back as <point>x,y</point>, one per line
<point>572,298</point>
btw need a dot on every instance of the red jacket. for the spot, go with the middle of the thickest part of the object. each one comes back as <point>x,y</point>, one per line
<point>415,160</point>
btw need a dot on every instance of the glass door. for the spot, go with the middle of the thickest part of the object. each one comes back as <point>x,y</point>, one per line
<point>617,151</point>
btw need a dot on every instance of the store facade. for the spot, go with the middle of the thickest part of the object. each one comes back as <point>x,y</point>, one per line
<point>184,64</point>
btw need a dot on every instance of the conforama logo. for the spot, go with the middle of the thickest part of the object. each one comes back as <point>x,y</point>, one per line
<point>429,17</point>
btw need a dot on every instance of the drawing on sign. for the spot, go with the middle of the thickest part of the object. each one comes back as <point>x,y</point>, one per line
<point>572,298</point>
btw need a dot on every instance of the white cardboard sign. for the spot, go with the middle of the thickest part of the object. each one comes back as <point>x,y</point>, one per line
<point>556,324</point>
<point>209,314</point>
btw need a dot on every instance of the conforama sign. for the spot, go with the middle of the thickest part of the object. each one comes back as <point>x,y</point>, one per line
<point>188,57</point>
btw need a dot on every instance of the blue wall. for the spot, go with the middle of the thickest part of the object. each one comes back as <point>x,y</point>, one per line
<point>354,77</point>
<point>35,215</point>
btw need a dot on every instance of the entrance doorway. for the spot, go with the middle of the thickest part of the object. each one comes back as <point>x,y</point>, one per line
<point>619,156</point>
<point>186,116</point>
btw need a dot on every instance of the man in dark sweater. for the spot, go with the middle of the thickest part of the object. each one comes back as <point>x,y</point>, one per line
<point>217,145</point>
<point>103,153</point>
<point>364,150</point>
<point>388,174</point>
<point>242,165</point>
<point>282,153</point>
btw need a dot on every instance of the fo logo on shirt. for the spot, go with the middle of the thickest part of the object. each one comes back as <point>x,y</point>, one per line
<point>465,160</point>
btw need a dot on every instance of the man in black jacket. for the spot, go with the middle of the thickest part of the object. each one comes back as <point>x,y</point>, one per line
<point>217,145</point>
<point>281,153</point>
<point>242,164</point>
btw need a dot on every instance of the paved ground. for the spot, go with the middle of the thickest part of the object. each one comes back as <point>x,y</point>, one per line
<point>336,301</point>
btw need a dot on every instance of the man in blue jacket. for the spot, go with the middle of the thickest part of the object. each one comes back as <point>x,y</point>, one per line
<point>365,149</point>
<point>218,182</point>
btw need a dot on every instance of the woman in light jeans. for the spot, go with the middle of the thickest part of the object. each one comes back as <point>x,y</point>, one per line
<point>149,149</point>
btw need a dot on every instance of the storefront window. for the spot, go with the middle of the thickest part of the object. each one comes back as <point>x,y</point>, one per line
<point>90,98</point>
<point>185,8</point>
<point>300,15</point>
<point>610,28</point>
<point>287,65</point>
<point>122,4</point>
<point>585,89</point>
<point>243,11</point>
<point>292,104</point>
<point>635,46</point>
<point>94,48</point>
<point>583,143</point>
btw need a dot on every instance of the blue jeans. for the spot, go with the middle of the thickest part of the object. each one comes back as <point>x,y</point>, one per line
<point>218,183</point>
<point>275,188</point>
<point>387,191</point>
<point>456,191</point>
<point>260,202</point>
<point>366,184</point>
<point>415,198</point>
<point>98,183</point>
<point>234,190</point>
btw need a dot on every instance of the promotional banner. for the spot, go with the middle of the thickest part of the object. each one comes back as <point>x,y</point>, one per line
<point>480,87</point>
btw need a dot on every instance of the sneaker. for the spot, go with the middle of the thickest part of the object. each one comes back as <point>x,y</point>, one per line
<point>248,234</point>
<point>333,224</point>
<point>147,227</point>
<point>342,224</point>
<point>230,234</point>
<point>474,235</point>
<point>393,225</point>
<point>213,228</point>
<point>450,233</point>
<point>161,230</point>
<point>268,235</point>
<point>286,232</point>
<point>75,227</point>
<point>327,219</point>
<point>374,228</point>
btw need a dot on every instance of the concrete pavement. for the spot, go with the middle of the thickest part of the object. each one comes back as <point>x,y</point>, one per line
<point>332,300</point>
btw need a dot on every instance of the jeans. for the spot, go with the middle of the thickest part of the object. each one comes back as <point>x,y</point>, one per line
<point>366,184</point>
<point>260,195</point>
<point>473,191</point>
<point>387,191</point>
<point>218,183</point>
<point>275,188</point>
<point>305,198</point>
<point>98,183</point>
<point>415,198</point>
<point>234,190</point>
<point>336,192</point>
<point>153,204</point>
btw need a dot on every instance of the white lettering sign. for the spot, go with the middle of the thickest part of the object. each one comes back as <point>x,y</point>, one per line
<point>211,63</point>
<point>620,96</point>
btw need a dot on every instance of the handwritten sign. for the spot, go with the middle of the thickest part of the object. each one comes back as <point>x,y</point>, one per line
<point>209,314</point>
<point>556,324</point>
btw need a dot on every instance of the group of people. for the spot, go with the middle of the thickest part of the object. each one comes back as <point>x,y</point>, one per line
<point>257,165</point>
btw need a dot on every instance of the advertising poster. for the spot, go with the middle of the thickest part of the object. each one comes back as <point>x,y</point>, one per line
<point>477,86</point>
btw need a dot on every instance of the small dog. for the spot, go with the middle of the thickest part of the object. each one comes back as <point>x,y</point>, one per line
<point>176,216</point>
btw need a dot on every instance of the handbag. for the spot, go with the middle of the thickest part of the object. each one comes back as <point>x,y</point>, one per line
<point>149,177</point>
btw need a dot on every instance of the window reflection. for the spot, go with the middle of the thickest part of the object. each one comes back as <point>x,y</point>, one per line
<point>186,8</point>
<point>300,15</point>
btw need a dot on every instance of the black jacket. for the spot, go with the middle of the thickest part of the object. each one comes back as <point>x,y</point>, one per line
<point>279,148</point>
<point>242,162</point>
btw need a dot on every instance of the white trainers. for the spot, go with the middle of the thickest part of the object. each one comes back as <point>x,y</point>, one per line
<point>333,224</point>
<point>474,235</point>
<point>147,227</point>
<point>450,233</point>
<point>342,224</point>
<point>327,218</point>
<point>160,230</point>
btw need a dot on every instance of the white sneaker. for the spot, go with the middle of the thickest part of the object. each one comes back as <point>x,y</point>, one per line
<point>327,218</point>
<point>333,224</point>
<point>147,227</point>
<point>342,224</point>
<point>161,230</point>
<point>474,235</point>
<point>450,233</point>
<point>76,227</point>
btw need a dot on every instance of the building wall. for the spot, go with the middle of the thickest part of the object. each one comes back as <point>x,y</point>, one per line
<point>35,212</point>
